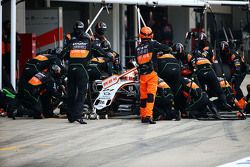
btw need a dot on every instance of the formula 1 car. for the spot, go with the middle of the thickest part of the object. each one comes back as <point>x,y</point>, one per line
<point>120,96</point>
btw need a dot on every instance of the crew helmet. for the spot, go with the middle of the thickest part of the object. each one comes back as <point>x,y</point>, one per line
<point>178,48</point>
<point>78,27</point>
<point>146,33</point>
<point>101,28</point>
<point>55,70</point>
<point>224,46</point>
<point>203,36</point>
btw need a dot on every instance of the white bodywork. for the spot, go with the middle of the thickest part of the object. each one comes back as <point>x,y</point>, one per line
<point>110,87</point>
<point>106,96</point>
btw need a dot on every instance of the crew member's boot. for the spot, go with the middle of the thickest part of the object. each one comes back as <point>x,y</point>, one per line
<point>148,120</point>
<point>81,121</point>
<point>224,104</point>
<point>214,111</point>
<point>176,115</point>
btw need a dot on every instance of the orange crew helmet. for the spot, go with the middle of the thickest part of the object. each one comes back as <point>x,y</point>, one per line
<point>146,33</point>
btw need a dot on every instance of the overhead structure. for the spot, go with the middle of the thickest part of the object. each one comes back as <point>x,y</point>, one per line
<point>89,27</point>
<point>228,3</point>
<point>184,3</point>
<point>146,2</point>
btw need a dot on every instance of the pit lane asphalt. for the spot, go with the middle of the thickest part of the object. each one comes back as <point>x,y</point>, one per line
<point>123,142</point>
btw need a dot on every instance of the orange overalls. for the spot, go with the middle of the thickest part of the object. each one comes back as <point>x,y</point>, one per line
<point>148,79</point>
<point>148,88</point>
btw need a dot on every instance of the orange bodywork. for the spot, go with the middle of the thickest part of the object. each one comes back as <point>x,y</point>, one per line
<point>203,61</point>
<point>144,58</point>
<point>189,57</point>
<point>98,60</point>
<point>205,48</point>
<point>224,84</point>
<point>41,58</point>
<point>194,85</point>
<point>78,53</point>
<point>68,36</point>
<point>241,103</point>
<point>165,56</point>
<point>35,81</point>
<point>163,85</point>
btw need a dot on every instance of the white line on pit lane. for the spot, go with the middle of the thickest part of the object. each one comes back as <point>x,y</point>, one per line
<point>245,162</point>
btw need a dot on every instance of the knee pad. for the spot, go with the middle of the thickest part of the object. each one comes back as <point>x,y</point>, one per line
<point>150,98</point>
<point>143,103</point>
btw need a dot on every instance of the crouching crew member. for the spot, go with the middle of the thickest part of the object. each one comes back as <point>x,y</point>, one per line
<point>164,102</point>
<point>192,100</point>
<point>35,95</point>
<point>238,69</point>
<point>205,75</point>
<point>40,63</point>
